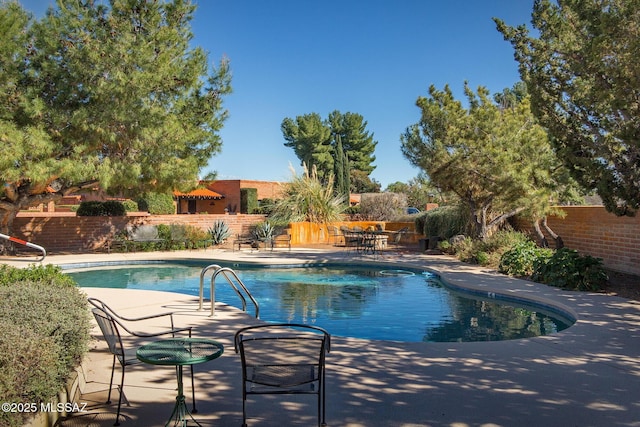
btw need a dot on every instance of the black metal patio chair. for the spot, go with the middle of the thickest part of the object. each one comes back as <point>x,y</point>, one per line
<point>110,324</point>
<point>283,358</point>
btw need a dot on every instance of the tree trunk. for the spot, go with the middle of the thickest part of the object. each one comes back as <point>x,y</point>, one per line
<point>543,240</point>
<point>6,227</point>
<point>556,237</point>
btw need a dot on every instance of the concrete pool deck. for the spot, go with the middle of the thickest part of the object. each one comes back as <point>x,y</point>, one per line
<point>586,375</point>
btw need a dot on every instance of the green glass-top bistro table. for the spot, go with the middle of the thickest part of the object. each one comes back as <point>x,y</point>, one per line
<point>180,352</point>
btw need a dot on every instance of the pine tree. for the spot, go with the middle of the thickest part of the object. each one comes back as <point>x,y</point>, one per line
<point>113,96</point>
<point>339,166</point>
<point>582,70</point>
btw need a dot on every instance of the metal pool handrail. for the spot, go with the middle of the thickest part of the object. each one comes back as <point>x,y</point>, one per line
<point>203,272</point>
<point>27,244</point>
<point>230,277</point>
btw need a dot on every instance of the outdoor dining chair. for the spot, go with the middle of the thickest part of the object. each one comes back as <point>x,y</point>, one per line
<point>283,358</point>
<point>334,234</point>
<point>110,324</point>
<point>396,237</point>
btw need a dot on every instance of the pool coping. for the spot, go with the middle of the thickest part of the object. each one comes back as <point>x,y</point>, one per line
<point>586,375</point>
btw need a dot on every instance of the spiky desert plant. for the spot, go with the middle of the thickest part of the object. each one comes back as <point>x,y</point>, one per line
<point>263,230</point>
<point>306,198</point>
<point>219,232</point>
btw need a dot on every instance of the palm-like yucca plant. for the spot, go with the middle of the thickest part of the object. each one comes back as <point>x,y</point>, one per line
<point>306,198</point>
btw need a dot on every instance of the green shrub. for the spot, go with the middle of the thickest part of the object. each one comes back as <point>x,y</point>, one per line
<point>248,200</point>
<point>353,210</point>
<point>44,333</point>
<point>196,236</point>
<point>487,252</point>
<point>96,208</point>
<point>179,236</point>
<point>130,205</point>
<point>444,221</point>
<point>520,259</point>
<point>164,232</point>
<point>219,232</point>
<point>46,274</point>
<point>567,269</point>
<point>446,247</point>
<point>482,258</point>
<point>26,359</point>
<point>265,206</point>
<point>157,204</point>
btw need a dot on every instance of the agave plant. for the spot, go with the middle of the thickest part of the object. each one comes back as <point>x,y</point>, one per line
<point>219,232</point>
<point>263,231</point>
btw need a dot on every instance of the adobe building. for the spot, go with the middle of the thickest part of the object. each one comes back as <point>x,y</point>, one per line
<point>223,196</point>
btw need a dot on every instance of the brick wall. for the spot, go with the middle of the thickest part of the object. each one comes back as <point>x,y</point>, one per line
<point>594,231</point>
<point>67,233</point>
<point>588,229</point>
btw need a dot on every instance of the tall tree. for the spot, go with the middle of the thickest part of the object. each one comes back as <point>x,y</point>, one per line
<point>497,161</point>
<point>106,95</point>
<point>341,172</point>
<point>315,140</point>
<point>583,73</point>
<point>310,139</point>
<point>357,142</point>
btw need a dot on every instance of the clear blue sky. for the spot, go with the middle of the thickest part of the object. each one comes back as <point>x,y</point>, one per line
<point>371,57</point>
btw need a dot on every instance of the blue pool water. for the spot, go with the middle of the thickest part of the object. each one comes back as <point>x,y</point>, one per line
<point>361,302</point>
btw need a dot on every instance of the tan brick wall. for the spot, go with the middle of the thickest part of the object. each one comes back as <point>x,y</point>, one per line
<point>67,233</point>
<point>593,231</point>
<point>588,229</point>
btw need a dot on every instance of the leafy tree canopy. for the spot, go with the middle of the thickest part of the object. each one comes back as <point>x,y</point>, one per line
<point>315,142</point>
<point>497,161</point>
<point>310,139</point>
<point>583,74</point>
<point>419,191</point>
<point>110,95</point>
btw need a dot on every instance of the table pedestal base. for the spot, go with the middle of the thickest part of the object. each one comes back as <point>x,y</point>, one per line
<point>181,414</point>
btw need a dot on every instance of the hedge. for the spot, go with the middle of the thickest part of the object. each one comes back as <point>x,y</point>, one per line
<point>44,333</point>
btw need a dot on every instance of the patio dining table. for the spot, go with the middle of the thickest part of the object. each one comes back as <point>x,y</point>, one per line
<point>179,352</point>
<point>371,242</point>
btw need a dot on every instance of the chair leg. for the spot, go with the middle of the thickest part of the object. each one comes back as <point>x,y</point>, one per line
<point>113,367</point>
<point>324,401</point>
<point>117,423</point>
<point>244,406</point>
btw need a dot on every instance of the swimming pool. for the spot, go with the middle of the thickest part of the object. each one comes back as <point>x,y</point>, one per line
<point>354,301</point>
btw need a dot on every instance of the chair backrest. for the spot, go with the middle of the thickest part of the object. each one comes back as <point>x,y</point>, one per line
<point>110,331</point>
<point>282,355</point>
<point>398,234</point>
<point>144,232</point>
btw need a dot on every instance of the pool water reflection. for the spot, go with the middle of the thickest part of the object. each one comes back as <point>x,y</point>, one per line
<point>360,302</point>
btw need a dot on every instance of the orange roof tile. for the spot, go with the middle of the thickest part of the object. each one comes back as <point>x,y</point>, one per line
<point>199,193</point>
